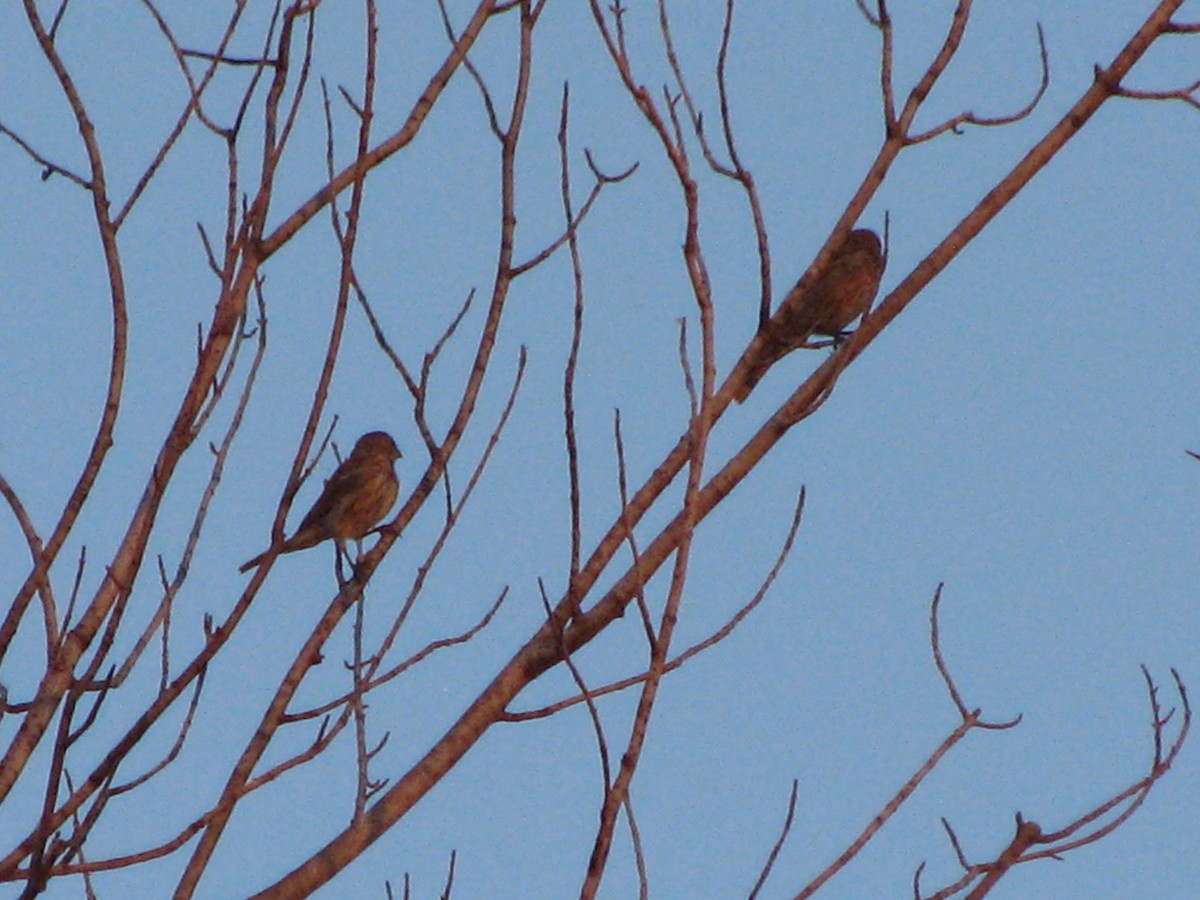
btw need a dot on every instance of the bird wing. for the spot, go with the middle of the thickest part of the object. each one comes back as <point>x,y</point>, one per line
<point>340,489</point>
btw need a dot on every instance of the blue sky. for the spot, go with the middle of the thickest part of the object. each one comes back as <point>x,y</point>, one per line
<point>1018,433</point>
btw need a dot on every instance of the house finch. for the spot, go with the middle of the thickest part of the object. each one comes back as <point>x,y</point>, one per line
<point>841,295</point>
<point>357,495</point>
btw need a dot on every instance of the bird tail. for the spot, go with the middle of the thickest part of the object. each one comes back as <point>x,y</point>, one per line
<point>304,538</point>
<point>754,374</point>
<point>762,353</point>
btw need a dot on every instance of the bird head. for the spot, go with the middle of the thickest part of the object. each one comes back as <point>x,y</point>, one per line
<point>376,443</point>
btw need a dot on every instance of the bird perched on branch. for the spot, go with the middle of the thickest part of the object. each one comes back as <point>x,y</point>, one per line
<point>842,294</point>
<point>356,496</point>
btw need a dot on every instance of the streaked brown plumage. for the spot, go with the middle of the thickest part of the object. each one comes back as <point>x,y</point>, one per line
<point>842,294</point>
<point>356,496</point>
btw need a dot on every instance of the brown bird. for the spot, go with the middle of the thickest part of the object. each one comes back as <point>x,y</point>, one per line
<point>356,496</point>
<point>842,294</point>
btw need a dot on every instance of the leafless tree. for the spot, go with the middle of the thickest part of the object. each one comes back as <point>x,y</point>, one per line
<point>116,661</point>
